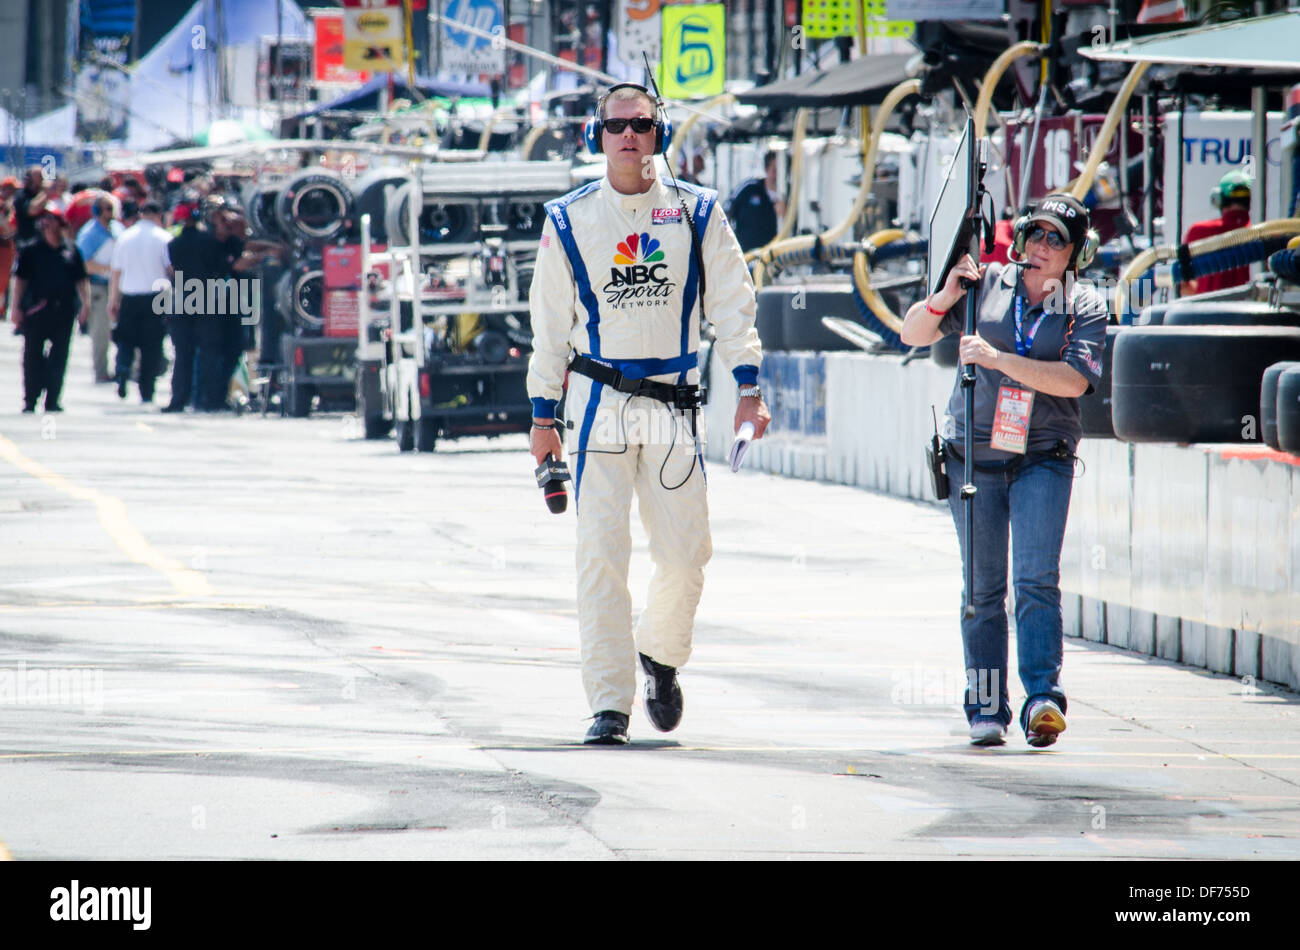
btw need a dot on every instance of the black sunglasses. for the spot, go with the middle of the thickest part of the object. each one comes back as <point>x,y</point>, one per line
<point>640,125</point>
<point>1053,237</point>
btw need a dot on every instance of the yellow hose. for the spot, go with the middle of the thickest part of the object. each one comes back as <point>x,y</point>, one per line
<point>862,278</point>
<point>1081,185</point>
<point>535,133</point>
<point>680,133</point>
<point>909,87</point>
<point>806,242</point>
<point>994,75</point>
<point>1154,255</point>
<point>792,190</point>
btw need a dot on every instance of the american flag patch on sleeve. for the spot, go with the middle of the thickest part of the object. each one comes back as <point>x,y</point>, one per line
<point>546,240</point>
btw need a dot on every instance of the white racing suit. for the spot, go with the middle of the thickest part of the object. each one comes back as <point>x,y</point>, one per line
<point>616,280</point>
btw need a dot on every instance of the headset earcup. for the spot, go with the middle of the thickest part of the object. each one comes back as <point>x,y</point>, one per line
<point>591,135</point>
<point>664,140</point>
<point>1019,232</point>
<point>1087,250</point>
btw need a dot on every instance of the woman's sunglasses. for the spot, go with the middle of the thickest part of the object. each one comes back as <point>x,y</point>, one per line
<point>640,125</point>
<point>1052,236</point>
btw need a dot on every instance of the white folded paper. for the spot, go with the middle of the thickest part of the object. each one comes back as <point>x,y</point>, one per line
<point>738,448</point>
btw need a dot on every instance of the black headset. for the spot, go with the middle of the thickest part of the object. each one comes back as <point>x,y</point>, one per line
<point>591,132</point>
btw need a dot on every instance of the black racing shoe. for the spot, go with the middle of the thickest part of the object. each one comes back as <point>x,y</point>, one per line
<point>663,697</point>
<point>609,728</point>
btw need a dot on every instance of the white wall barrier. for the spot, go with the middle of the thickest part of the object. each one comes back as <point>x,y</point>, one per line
<point>1188,553</point>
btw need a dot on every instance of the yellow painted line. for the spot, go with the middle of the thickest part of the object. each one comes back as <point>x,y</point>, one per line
<point>113,516</point>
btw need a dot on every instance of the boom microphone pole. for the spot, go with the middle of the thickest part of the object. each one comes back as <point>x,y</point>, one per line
<point>976,197</point>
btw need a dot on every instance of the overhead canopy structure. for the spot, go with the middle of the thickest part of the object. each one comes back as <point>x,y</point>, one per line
<point>862,82</point>
<point>1267,47</point>
<point>366,98</point>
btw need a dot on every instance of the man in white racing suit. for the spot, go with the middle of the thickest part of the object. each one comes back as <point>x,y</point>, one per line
<point>614,302</point>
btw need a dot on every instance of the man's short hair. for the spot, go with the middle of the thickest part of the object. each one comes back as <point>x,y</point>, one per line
<point>151,207</point>
<point>769,158</point>
<point>130,209</point>
<point>621,95</point>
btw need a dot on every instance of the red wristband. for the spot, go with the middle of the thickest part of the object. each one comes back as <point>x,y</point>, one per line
<point>937,313</point>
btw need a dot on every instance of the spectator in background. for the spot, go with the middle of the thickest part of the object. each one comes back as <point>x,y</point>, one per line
<point>1232,196</point>
<point>96,241</point>
<point>48,279</point>
<point>192,253</point>
<point>8,245</point>
<point>130,214</point>
<point>140,265</point>
<point>29,202</point>
<point>756,206</point>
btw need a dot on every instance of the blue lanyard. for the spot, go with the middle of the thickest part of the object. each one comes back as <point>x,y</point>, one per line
<point>1025,342</point>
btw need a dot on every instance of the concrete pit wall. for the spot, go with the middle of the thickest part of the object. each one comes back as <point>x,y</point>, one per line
<point>1188,553</point>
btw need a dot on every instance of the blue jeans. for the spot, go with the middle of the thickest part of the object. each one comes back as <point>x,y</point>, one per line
<point>1032,500</point>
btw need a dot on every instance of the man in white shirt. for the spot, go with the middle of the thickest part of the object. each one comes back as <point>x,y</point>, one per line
<point>140,264</point>
<point>96,241</point>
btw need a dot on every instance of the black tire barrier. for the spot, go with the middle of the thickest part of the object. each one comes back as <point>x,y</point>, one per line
<point>1194,384</point>
<point>551,145</point>
<point>372,192</point>
<point>315,205</point>
<point>524,218</point>
<point>439,222</point>
<point>1235,313</point>
<point>944,351</point>
<point>300,297</point>
<point>1153,316</point>
<point>801,325</point>
<point>1095,408</point>
<point>259,205</point>
<point>769,317</point>
<point>1288,411</point>
<point>1268,401</point>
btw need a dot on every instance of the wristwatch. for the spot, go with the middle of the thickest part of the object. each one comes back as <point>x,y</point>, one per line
<point>755,391</point>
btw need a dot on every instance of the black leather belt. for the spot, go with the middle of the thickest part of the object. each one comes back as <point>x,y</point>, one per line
<point>683,396</point>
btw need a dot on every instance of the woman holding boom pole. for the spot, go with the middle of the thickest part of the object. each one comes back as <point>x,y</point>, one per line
<point>1037,348</point>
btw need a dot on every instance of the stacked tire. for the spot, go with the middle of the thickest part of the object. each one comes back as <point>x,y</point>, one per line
<point>1279,406</point>
<point>310,209</point>
<point>789,316</point>
<point>1194,383</point>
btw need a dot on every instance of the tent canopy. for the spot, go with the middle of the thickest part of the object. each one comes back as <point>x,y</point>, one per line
<point>862,82</point>
<point>1265,44</point>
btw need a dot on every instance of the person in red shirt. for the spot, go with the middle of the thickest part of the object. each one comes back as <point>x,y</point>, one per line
<point>1232,197</point>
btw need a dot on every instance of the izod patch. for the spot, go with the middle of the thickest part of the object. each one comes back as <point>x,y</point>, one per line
<point>665,215</point>
<point>1011,420</point>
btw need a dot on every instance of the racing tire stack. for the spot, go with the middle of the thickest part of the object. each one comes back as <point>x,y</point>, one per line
<point>1268,402</point>
<point>1287,409</point>
<point>1187,384</point>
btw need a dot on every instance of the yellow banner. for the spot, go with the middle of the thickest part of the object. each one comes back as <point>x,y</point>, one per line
<point>694,51</point>
<point>374,39</point>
